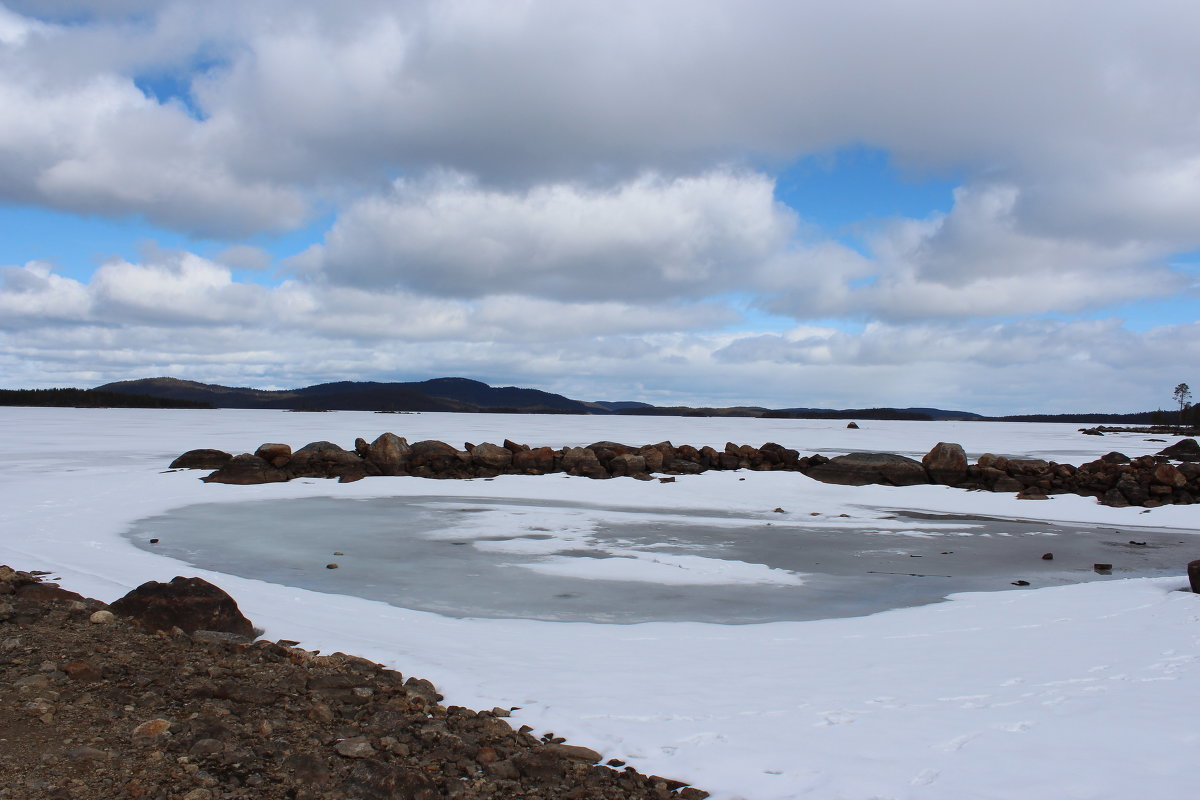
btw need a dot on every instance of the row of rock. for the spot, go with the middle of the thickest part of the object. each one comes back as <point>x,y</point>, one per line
<point>1115,479</point>
<point>141,699</point>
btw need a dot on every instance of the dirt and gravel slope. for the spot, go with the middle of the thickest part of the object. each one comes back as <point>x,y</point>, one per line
<point>94,706</point>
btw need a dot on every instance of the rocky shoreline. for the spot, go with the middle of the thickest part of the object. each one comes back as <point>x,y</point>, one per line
<point>165,695</point>
<point>1114,479</point>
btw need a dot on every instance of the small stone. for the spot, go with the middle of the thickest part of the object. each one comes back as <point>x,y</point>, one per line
<point>575,752</point>
<point>500,712</point>
<point>152,728</point>
<point>207,747</point>
<point>331,566</point>
<point>198,794</point>
<point>82,671</point>
<point>358,747</point>
<point>32,683</point>
<point>780,511</point>
<point>1020,583</point>
<point>87,754</point>
<point>1047,556</point>
<point>154,541</point>
<point>1103,569</point>
<point>101,617</point>
<point>338,553</point>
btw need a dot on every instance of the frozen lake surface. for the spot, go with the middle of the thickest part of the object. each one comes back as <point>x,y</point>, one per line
<point>477,557</point>
<point>1058,690</point>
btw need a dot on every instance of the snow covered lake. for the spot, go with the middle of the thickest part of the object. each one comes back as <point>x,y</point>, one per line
<point>508,592</point>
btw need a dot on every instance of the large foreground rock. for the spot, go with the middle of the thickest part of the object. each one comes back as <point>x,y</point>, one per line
<point>860,469</point>
<point>946,463</point>
<point>190,604</point>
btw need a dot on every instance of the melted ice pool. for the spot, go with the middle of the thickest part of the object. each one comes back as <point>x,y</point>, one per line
<point>477,557</point>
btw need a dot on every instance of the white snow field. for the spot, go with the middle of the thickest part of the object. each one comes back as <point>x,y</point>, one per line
<point>1084,690</point>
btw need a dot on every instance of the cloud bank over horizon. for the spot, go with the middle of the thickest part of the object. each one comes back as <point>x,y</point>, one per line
<point>608,200</point>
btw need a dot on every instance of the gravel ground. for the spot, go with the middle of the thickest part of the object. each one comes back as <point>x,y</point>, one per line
<point>93,706</point>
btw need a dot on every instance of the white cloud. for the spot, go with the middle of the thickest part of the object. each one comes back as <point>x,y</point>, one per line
<point>1098,128</point>
<point>641,241</point>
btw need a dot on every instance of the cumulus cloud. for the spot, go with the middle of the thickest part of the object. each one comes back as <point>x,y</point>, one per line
<point>1098,129</point>
<point>643,240</point>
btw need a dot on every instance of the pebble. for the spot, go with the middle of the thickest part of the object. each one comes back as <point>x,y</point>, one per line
<point>101,617</point>
<point>152,728</point>
<point>358,747</point>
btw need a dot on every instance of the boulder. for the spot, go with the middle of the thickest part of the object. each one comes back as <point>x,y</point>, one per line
<point>1005,484</point>
<point>1167,475</point>
<point>491,456</point>
<point>277,454</point>
<point>190,604</point>
<point>202,459</point>
<point>325,460</point>
<point>388,453</point>
<point>1134,491</point>
<point>606,450</point>
<point>582,461</point>
<point>627,464</point>
<point>652,456</point>
<point>245,470</point>
<point>680,466</point>
<point>1183,450</point>
<point>441,459</point>
<point>946,463</point>
<point>535,462</point>
<point>859,469</point>
<point>779,456</point>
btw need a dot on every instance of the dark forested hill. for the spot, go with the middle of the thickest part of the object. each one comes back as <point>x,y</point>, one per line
<point>90,398</point>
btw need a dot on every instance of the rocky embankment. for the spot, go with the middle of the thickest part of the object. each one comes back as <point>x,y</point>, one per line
<point>164,695</point>
<point>1114,479</point>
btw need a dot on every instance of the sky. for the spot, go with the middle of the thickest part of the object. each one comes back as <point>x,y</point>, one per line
<point>986,206</point>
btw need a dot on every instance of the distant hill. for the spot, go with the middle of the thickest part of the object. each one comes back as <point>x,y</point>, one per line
<point>467,395</point>
<point>90,398</point>
<point>439,394</point>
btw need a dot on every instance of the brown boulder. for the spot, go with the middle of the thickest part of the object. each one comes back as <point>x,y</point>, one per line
<point>277,455</point>
<point>627,464</point>
<point>536,462</point>
<point>859,469</point>
<point>201,459</point>
<point>582,461</point>
<point>325,460</point>
<point>1167,475</point>
<point>946,463</point>
<point>437,457</point>
<point>190,604</point>
<point>652,456</point>
<point>245,470</point>
<point>388,453</point>
<point>606,450</point>
<point>491,456</point>
<point>1183,450</point>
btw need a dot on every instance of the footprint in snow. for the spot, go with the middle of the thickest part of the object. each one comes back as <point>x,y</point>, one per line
<point>1015,727</point>
<point>955,744</point>
<point>925,777</point>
